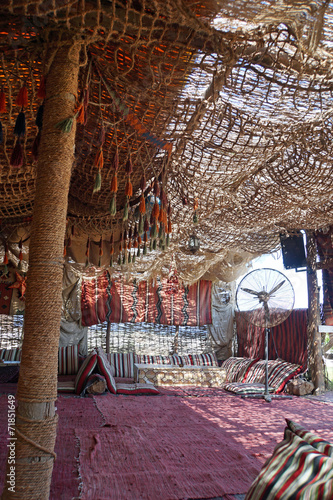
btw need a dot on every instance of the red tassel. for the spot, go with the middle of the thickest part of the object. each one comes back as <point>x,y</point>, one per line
<point>2,102</point>
<point>142,206</point>
<point>139,240</point>
<point>41,92</point>
<point>129,188</point>
<point>5,260</point>
<point>143,183</point>
<point>135,244</point>
<point>169,227</point>
<point>146,225</point>
<point>145,237</point>
<point>129,167</point>
<point>16,160</point>
<point>99,160</point>
<point>22,98</point>
<point>116,162</point>
<point>114,184</point>
<point>156,188</point>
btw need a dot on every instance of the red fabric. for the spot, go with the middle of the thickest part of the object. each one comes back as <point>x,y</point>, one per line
<point>289,338</point>
<point>122,302</point>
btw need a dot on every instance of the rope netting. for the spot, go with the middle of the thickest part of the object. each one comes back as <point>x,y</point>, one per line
<point>218,110</point>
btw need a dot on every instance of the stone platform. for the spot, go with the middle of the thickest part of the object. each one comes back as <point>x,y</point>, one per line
<point>202,376</point>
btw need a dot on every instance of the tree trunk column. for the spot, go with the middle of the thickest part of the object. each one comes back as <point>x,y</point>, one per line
<point>315,359</point>
<point>36,419</point>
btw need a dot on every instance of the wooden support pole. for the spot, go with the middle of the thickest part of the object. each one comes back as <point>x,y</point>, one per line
<point>36,419</point>
<point>315,358</point>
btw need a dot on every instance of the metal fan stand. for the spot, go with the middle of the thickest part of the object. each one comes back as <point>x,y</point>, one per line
<point>263,298</point>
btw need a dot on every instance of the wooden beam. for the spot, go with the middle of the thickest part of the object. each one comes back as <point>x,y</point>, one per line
<point>315,356</point>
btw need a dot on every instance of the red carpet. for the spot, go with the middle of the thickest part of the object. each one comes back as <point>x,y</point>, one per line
<point>186,443</point>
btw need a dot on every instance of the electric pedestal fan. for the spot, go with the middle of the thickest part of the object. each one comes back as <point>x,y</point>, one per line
<point>265,298</point>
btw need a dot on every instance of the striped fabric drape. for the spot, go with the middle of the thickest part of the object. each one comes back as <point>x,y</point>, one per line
<point>287,341</point>
<point>117,301</point>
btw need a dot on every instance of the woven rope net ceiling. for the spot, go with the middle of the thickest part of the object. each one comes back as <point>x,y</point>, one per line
<point>227,103</point>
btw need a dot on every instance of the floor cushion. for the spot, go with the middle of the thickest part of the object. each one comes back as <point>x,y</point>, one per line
<point>316,441</point>
<point>122,363</point>
<point>237,368</point>
<point>246,388</point>
<point>87,368</point>
<point>296,470</point>
<point>280,372</point>
<point>137,389</point>
<point>207,359</point>
<point>105,369</point>
<point>68,360</point>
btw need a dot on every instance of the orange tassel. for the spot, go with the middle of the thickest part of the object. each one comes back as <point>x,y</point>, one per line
<point>99,160</point>
<point>111,250</point>
<point>142,206</point>
<point>160,216</point>
<point>169,227</point>
<point>22,98</point>
<point>156,210</point>
<point>80,118</point>
<point>129,245</point>
<point>2,102</point>
<point>41,92</point>
<point>5,260</point>
<point>145,238</point>
<point>128,188</point>
<point>196,204</point>
<point>114,184</point>
<point>139,240</point>
<point>65,251</point>
<point>135,244</point>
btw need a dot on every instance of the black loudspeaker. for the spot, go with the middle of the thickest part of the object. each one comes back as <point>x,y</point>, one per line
<point>293,252</point>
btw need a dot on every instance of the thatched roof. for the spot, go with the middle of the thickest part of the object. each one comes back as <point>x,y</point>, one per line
<point>227,103</point>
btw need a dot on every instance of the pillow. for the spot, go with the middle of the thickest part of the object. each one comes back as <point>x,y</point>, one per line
<point>11,354</point>
<point>280,372</point>
<point>105,369</point>
<point>241,388</point>
<point>295,470</point>
<point>256,373</point>
<point>208,359</point>
<point>316,441</point>
<point>237,368</point>
<point>136,389</point>
<point>122,363</point>
<point>85,371</point>
<point>68,360</point>
<point>180,360</point>
<point>154,360</point>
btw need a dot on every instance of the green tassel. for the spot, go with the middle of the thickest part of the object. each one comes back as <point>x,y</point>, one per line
<point>65,125</point>
<point>124,259</point>
<point>163,248</point>
<point>167,240</point>
<point>87,262</point>
<point>144,250</point>
<point>160,231</point>
<point>133,258</point>
<point>5,269</point>
<point>111,262</point>
<point>153,231</point>
<point>125,216</point>
<point>140,230</point>
<point>195,218</point>
<point>129,258</point>
<point>138,252</point>
<point>99,262</point>
<point>150,245</point>
<point>155,245</point>
<point>98,182</point>
<point>119,259</point>
<point>113,205</point>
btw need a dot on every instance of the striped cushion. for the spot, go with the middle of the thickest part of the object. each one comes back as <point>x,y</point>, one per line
<point>279,372</point>
<point>68,360</point>
<point>295,470</point>
<point>85,371</point>
<point>180,360</point>
<point>136,389</point>
<point>316,441</point>
<point>122,363</point>
<point>154,360</point>
<point>241,388</point>
<point>11,354</point>
<point>256,373</point>
<point>237,368</point>
<point>105,369</point>
<point>208,359</point>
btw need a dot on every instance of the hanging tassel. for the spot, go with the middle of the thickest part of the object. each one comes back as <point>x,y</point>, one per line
<point>19,129</point>
<point>141,225</point>
<point>156,188</point>
<point>2,102</point>
<point>113,205</point>
<point>16,160</point>
<point>65,125</point>
<point>135,244</point>
<point>160,232</point>
<point>153,231</point>
<point>129,167</point>
<point>145,238</point>
<point>138,252</point>
<point>35,146</point>
<point>143,183</point>
<point>139,240</point>
<point>145,226</point>
<point>133,258</point>
<point>80,115</point>
<point>39,116</point>
<point>129,188</point>
<point>142,206</point>
<point>195,218</point>
<point>98,182</point>
<point>99,159</point>
<point>114,183</point>
<point>22,98</point>
<point>41,92</point>
<point>145,250</point>
<point>155,244</point>
<point>156,211</point>
<point>125,215</point>
<point>167,240</point>
<point>129,258</point>
<point>169,227</point>
<point>1,133</point>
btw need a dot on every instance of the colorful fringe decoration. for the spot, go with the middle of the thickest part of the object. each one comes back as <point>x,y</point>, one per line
<point>3,107</point>
<point>65,125</point>
<point>128,188</point>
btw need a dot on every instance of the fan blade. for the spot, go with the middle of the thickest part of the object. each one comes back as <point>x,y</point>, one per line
<point>252,292</point>
<point>276,288</point>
